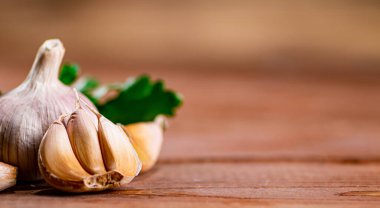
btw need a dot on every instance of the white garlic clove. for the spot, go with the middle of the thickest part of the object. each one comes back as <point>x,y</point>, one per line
<point>84,141</point>
<point>146,138</point>
<point>8,175</point>
<point>118,152</point>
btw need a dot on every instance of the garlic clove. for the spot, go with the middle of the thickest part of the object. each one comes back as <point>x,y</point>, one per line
<point>93,160</point>
<point>58,157</point>
<point>84,141</point>
<point>146,138</point>
<point>118,152</point>
<point>61,169</point>
<point>8,175</point>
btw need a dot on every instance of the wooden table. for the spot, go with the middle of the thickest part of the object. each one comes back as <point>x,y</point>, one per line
<point>245,139</point>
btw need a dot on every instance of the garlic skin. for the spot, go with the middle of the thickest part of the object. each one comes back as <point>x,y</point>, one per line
<point>146,138</point>
<point>75,157</point>
<point>28,110</point>
<point>8,175</point>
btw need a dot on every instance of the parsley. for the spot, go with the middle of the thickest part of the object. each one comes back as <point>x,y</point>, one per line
<point>138,99</point>
<point>69,73</point>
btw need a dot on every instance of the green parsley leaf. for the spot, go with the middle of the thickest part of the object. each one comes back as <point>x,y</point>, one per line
<point>139,99</point>
<point>69,73</point>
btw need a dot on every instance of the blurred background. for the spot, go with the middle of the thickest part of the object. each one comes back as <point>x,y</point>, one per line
<point>296,78</point>
<point>302,36</point>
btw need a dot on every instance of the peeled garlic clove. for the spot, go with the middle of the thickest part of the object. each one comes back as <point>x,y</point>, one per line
<point>146,138</point>
<point>118,152</point>
<point>8,175</point>
<point>28,110</point>
<point>84,141</point>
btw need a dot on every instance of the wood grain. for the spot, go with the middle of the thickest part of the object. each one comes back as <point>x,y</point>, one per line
<point>237,184</point>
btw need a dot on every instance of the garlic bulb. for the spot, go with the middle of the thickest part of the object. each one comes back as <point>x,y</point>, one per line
<point>146,138</point>
<point>7,176</point>
<point>76,157</point>
<point>28,110</point>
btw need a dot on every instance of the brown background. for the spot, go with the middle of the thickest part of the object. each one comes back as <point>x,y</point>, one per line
<point>235,35</point>
<point>281,97</point>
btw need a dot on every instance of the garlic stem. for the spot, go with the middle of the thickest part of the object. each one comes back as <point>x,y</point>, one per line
<point>46,64</point>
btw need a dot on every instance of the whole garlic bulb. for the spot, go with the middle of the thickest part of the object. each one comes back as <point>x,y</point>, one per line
<point>75,156</point>
<point>27,111</point>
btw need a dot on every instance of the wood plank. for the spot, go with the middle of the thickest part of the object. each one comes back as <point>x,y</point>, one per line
<point>225,184</point>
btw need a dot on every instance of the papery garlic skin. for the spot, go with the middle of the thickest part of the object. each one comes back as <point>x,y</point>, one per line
<point>8,175</point>
<point>28,110</point>
<point>146,138</point>
<point>75,157</point>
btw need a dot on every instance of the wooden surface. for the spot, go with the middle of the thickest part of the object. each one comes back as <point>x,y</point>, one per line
<point>281,97</point>
<point>244,139</point>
